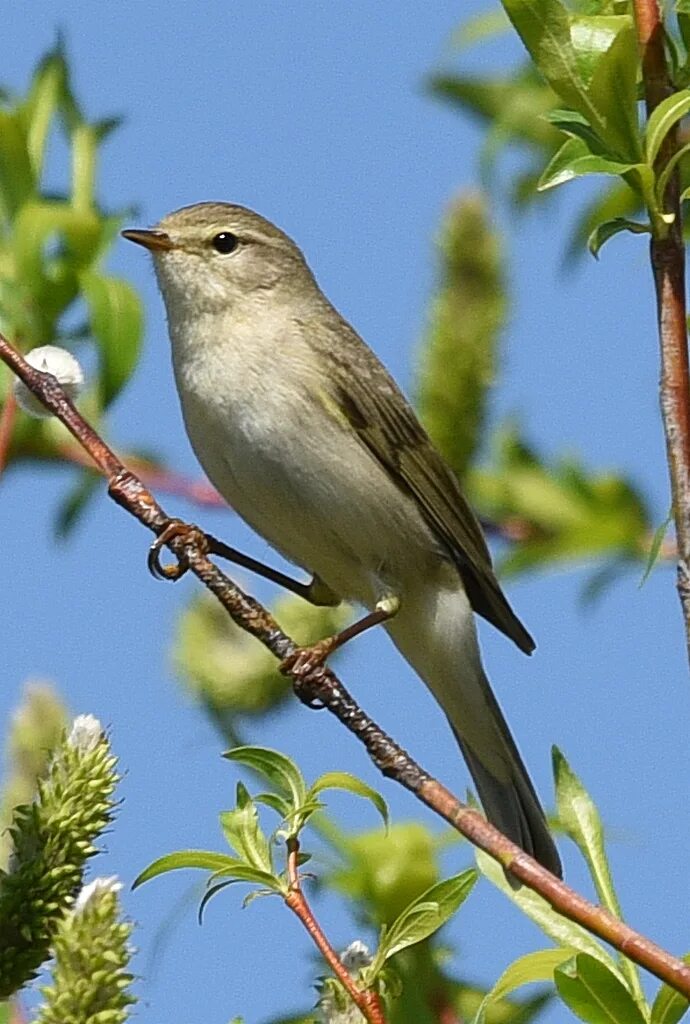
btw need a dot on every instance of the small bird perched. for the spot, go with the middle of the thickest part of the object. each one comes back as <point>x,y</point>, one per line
<point>307,437</point>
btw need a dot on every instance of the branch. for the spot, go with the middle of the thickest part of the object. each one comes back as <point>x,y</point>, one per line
<point>667,255</point>
<point>366,1000</point>
<point>322,686</point>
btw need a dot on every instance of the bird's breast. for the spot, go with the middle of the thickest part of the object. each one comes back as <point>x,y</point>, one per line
<point>293,470</point>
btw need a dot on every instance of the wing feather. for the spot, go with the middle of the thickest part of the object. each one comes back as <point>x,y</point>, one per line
<point>389,428</point>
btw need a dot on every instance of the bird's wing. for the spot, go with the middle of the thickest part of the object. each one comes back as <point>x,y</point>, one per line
<point>389,428</point>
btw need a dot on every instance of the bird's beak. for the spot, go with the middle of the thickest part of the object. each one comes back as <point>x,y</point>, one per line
<point>150,239</point>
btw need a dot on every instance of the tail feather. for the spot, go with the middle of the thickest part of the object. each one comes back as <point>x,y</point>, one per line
<point>514,809</point>
<point>435,632</point>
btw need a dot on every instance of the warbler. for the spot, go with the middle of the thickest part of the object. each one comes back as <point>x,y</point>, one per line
<point>308,438</point>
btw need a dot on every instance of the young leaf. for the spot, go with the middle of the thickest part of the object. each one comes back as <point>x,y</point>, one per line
<point>244,834</point>
<point>275,802</point>
<point>662,119</point>
<point>596,995</point>
<point>609,228</point>
<point>424,916</point>
<point>17,180</point>
<point>544,28</point>
<point>525,970</point>
<point>41,105</point>
<point>207,860</point>
<point>669,1005</point>
<point>613,91</point>
<point>580,819</point>
<point>117,323</point>
<point>573,160</point>
<point>279,769</point>
<point>559,928</point>
<point>592,36</point>
<point>574,124</point>
<point>351,784</point>
<point>655,546</point>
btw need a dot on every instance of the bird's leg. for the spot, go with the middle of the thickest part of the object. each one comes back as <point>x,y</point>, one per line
<point>316,591</point>
<point>305,659</point>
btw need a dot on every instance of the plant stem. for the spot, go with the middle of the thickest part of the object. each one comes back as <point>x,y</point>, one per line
<point>8,417</point>
<point>322,686</point>
<point>667,254</point>
<point>368,1000</point>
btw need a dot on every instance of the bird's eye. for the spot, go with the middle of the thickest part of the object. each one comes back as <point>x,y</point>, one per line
<point>225,242</point>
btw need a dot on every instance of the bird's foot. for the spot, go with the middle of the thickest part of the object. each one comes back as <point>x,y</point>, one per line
<point>304,660</point>
<point>175,528</point>
<point>302,663</point>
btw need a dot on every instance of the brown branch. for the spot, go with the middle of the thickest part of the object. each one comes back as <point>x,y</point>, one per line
<point>367,1000</point>
<point>667,254</point>
<point>321,685</point>
<point>8,417</point>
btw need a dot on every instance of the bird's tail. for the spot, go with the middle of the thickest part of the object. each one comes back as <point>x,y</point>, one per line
<point>435,632</point>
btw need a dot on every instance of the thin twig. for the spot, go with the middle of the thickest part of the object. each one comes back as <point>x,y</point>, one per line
<point>667,254</point>
<point>8,418</point>
<point>367,1000</point>
<point>322,686</point>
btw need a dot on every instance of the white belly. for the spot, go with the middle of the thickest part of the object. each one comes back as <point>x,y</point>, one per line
<point>298,477</point>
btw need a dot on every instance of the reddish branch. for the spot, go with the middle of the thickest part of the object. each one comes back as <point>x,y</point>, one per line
<point>668,267</point>
<point>8,417</point>
<point>367,1000</point>
<point>323,687</point>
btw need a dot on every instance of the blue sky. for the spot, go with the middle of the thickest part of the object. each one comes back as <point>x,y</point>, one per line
<point>315,115</point>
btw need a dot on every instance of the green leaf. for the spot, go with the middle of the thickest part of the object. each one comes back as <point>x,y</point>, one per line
<point>117,323</point>
<point>665,176</point>
<point>662,119</point>
<point>573,160</point>
<point>244,834</point>
<point>594,993</point>
<point>481,26</point>
<point>204,859</point>
<point>669,1005</point>
<point>526,970</point>
<point>275,802</point>
<point>52,243</point>
<point>558,928</point>
<point>544,27</point>
<point>351,784</point>
<point>580,820</point>
<point>41,105</point>
<point>5,1013</point>
<point>592,35</point>
<point>242,872</point>
<point>613,91</point>
<point>423,917</point>
<point>280,770</point>
<point>609,228</point>
<point>17,179</point>
<point>84,151</point>
<point>574,124</point>
<point>655,546</point>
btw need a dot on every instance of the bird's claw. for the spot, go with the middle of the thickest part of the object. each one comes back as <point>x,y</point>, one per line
<point>175,528</point>
<point>302,663</point>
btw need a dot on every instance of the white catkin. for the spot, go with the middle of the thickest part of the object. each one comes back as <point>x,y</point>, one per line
<point>85,733</point>
<point>94,889</point>
<point>63,366</point>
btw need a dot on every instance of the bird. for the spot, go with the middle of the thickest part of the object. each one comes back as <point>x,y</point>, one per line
<point>308,438</point>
